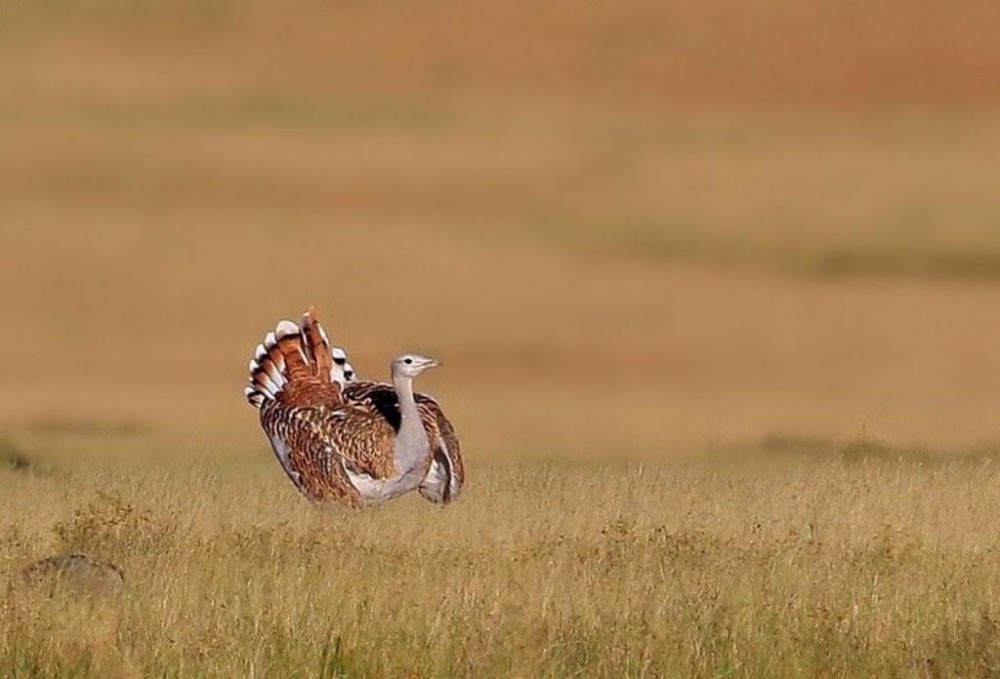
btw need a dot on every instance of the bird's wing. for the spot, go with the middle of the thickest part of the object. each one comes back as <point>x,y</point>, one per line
<point>375,398</point>
<point>446,472</point>
<point>308,458</point>
<point>365,443</point>
<point>331,455</point>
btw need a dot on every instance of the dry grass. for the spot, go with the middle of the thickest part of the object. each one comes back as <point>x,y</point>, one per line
<point>795,559</point>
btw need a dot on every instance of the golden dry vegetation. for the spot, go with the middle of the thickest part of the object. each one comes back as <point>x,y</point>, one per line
<point>677,256</point>
<point>796,559</point>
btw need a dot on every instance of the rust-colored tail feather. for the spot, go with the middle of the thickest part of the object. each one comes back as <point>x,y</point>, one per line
<point>297,365</point>
<point>291,348</point>
<point>317,346</point>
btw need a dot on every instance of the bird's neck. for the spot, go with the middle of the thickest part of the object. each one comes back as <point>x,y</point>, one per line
<point>407,403</point>
<point>411,439</point>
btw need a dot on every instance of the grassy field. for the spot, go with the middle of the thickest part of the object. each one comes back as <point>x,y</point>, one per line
<point>716,286</point>
<point>799,558</point>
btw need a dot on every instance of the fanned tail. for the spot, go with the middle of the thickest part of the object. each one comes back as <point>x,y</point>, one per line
<point>330,360</point>
<point>297,364</point>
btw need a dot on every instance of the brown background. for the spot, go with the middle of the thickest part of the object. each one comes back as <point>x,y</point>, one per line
<point>630,227</point>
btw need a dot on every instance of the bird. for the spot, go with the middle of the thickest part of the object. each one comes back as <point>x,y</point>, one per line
<point>341,440</point>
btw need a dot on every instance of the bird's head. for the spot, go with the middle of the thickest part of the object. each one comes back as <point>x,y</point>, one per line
<point>411,365</point>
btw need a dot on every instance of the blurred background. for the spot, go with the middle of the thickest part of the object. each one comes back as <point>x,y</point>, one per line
<point>632,227</point>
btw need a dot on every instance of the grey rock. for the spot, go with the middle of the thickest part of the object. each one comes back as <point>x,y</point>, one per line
<point>77,571</point>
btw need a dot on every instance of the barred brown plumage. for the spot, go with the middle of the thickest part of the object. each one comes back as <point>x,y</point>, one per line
<point>348,441</point>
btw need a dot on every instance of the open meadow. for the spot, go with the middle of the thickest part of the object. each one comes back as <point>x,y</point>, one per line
<point>799,558</point>
<point>716,286</point>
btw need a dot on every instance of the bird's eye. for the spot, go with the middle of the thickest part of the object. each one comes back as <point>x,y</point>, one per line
<point>408,361</point>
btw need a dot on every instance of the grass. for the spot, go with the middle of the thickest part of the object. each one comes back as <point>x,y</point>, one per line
<point>804,564</point>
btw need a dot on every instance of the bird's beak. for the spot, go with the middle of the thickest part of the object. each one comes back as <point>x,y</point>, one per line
<point>433,363</point>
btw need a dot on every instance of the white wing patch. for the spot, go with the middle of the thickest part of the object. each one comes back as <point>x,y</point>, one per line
<point>369,487</point>
<point>435,482</point>
<point>282,451</point>
<point>440,484</point>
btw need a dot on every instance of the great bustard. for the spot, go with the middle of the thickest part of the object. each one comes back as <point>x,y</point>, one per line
<point>344,440</point>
